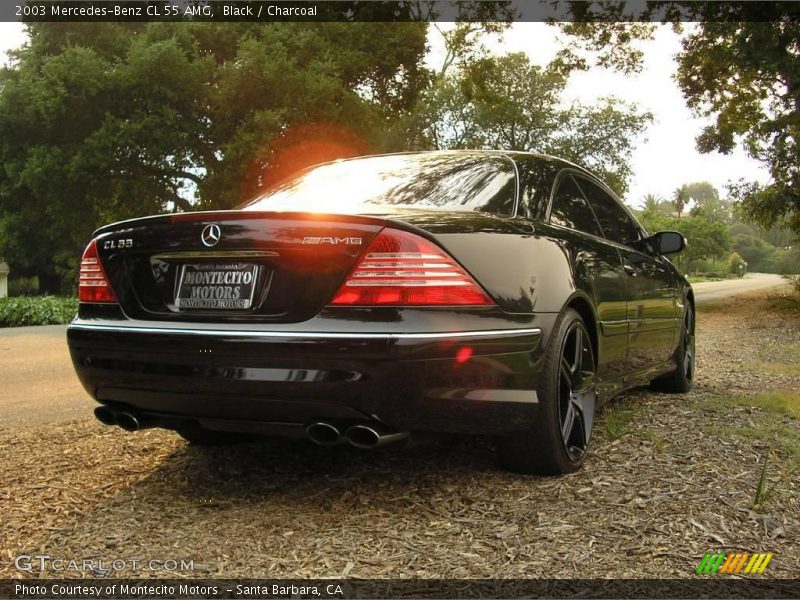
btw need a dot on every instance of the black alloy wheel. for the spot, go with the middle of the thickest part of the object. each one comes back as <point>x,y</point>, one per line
<point>681,379</point>
<point>557,441</point>
<point>577,393</point>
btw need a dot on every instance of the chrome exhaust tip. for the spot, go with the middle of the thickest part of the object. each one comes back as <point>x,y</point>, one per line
<point>105,415</point>
<point>372,436</point>
<point>324,434</point>
<point>127,421</point>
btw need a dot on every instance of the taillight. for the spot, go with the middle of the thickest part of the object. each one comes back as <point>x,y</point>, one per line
<point>93,284</point>
<point>402,269</point>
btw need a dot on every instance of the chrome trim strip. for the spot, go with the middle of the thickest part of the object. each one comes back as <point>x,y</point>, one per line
<point>486,395</point>
<point>517,187</point>
<point>216,254</point>
<point>305,334</point>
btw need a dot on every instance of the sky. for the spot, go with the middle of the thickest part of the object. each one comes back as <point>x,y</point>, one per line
<point>667,157</point>
<point>663,161</point>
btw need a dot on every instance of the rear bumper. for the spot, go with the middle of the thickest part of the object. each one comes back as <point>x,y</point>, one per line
<point>475,381</point>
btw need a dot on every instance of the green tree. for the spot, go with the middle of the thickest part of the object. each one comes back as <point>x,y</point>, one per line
<point>105,121</point>
<point>680,199</point>
<point>746,76</point>
<point>755,251</point>
<point>740,67</point>
<point>654,203</point>
<point>508,103</point>
<point>707,240</point>
<point>736,264</point>
<point>706,201</point>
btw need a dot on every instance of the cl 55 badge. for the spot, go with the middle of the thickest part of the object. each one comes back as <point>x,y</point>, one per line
<point>350,241</point>
<point>117,244</point>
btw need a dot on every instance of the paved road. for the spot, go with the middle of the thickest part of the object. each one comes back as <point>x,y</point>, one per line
<point>38,385</point>
<point>715,290</point>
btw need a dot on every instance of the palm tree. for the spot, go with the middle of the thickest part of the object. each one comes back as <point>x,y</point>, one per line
<point>653,203</point>
<point>681,199</point>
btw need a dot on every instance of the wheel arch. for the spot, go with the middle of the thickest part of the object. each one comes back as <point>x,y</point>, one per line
<point>583,306</point>
<point>690,299</point>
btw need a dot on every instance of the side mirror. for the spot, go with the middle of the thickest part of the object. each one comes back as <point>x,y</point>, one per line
<point>668,242</point>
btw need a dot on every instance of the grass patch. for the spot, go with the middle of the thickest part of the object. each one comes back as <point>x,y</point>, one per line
<point>777,359</point>
<point>762,495</point>
<point>781,402</point>
<point>616,417</point>
<point>785,302</point>
<point>658,442</point>
<point>773,431</point>
<point>774,425</point>
<point>774,368</point>
<point>37,310</point>
<point>787,352</point>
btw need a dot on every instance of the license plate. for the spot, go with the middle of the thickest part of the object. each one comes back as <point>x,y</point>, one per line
<point>212,286</point>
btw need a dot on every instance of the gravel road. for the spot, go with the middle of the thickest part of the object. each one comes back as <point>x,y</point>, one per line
<point>675,480</point>
<point>709,291</point>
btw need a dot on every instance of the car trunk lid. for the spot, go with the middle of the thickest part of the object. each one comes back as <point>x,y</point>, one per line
<point>232,265</point>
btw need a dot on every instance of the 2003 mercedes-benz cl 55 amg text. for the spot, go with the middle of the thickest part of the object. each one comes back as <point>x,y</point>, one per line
<point>497,293</point>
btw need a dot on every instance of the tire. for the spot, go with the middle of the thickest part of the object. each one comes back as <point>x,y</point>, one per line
<point>680,380</point>
<point>557,442</point>
<point>200,436</point>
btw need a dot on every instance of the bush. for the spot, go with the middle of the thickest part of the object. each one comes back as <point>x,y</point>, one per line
<point>37,310</point>
<point>736,264</point>
<point>23,286</point>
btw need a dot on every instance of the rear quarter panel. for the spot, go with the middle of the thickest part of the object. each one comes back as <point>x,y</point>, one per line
<point>538,269</point>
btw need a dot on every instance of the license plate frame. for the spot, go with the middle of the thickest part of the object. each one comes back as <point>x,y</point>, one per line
<point>223,289</point>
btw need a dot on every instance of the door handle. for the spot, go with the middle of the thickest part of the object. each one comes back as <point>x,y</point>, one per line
<point>630,270</point>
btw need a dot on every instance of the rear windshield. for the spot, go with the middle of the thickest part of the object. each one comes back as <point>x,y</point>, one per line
<point>445,181</point>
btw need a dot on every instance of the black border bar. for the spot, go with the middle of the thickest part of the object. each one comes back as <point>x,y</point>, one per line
<point>712,586</point>
<point>396,10</point>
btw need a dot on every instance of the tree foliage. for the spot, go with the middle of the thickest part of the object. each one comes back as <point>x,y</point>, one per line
<point>605,38</point>
<point>104,121</point>
<point>740,67</point>
<point>707,238</point>
<point>509,103</point>
<point>706,202</point>
<point>746,76</point>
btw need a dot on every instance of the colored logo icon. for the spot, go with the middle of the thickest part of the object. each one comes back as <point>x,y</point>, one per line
<point>733,563</point>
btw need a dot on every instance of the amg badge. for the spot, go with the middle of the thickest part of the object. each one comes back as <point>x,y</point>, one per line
<point>350,241</point>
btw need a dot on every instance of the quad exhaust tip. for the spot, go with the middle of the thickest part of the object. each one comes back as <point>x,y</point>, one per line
<point>361,435</point>
<point>371,436</point>
<point>324,434</point>
<point>105,415</point>
<point>127,421</point>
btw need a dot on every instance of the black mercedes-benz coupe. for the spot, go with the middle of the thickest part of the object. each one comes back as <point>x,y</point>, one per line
<point>498,293</point>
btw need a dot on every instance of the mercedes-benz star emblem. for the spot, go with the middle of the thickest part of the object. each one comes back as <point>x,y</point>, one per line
<point>211,235</point>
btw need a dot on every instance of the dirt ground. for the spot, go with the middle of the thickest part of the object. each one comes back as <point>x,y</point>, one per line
<point>669,478</point>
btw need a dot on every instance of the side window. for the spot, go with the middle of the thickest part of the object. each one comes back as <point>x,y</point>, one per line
<point>571,210</point>
<point>536,182</point>
<point>618,226</point>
